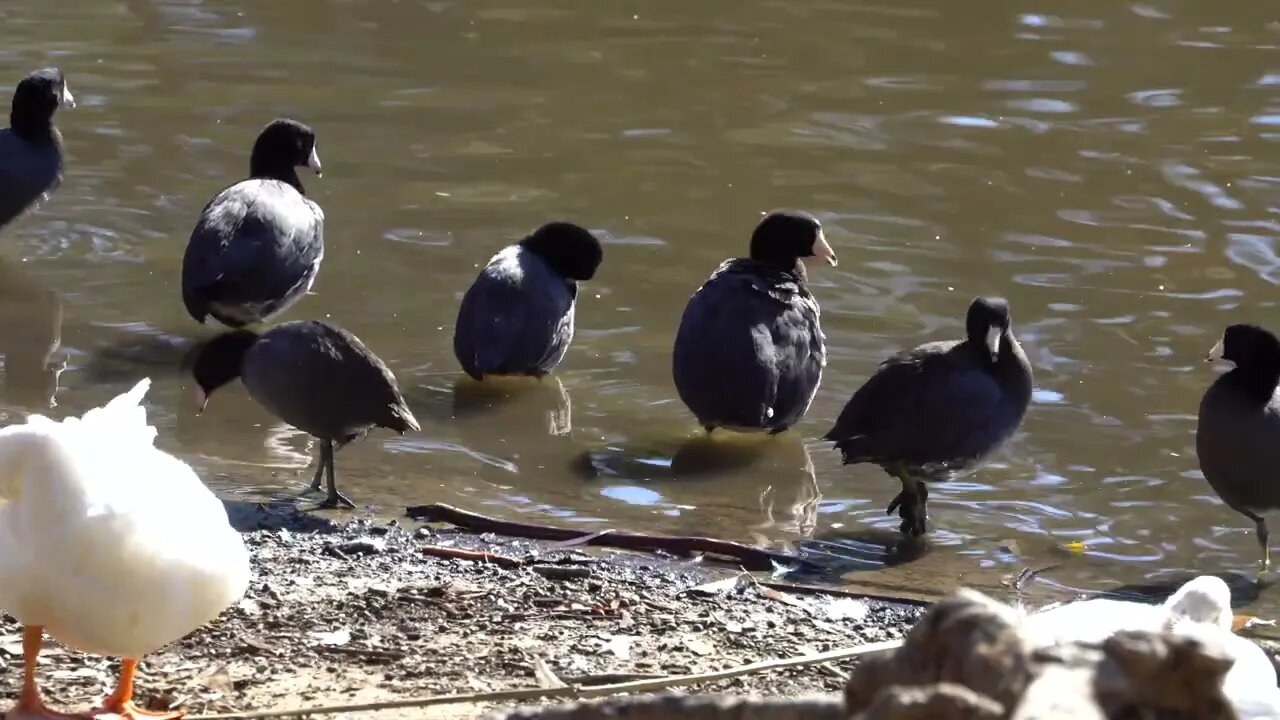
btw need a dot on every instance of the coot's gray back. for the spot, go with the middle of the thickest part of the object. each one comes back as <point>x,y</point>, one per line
<point>324,381</point>
<point>254,252</point>
<point>749,352</point>
<point>516,318</point>
<point>27,173</point>
<point>1238,444</point>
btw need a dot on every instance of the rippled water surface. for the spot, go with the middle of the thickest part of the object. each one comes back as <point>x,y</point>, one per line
<point>1113,169</point>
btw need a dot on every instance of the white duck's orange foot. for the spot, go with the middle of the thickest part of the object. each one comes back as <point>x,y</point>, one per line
<point>119,705</point>
<point>34,709</point>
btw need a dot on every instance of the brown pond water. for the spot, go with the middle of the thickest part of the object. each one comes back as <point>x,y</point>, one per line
<point>1112,168</point>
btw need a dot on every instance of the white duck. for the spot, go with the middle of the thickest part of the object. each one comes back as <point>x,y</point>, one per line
<point>107,543</point>
<point>1202,605</point>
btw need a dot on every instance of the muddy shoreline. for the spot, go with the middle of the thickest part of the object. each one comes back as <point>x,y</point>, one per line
<point>355,611</point>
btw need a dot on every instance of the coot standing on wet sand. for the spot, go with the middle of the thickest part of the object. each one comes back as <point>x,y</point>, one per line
<point>749,352</point>
<point>258,244</point>
<point>517,317</point>
<point>31,147</point>
<point>1238,431</point>
<point>317,377</point>
<point>938,408</point>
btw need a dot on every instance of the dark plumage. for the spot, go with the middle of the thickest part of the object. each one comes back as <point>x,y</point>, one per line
<point>517,317</point>
<point>31,147</point>
<point>1238,433</point>
<point>749,352</point>
<point>938,408</point>
<point>258,244</point>
<point>317,377</point>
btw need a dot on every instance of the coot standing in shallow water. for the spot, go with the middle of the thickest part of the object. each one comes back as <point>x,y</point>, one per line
<point>939,408</point>
<point>1238,431</point>
<point>31,147</point>
<point>749,352</point>
<point>258,244</point>
<point>317,377</point>
<point>517,317</point>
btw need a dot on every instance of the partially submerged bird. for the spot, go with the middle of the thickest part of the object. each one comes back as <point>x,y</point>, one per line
<point>1238,431</point>
<point>939,408</point>
<point>31,147</point>
<point>317,377</point>
<point>749,352</point>
<point>258,244</point>
<point>517,317</point>
<point>1201,606</point>
<point>109,544</point>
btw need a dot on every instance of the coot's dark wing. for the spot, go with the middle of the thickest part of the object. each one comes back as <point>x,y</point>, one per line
<point>324,381</point>
<point>255,250</point>
<point>749,352</point>
<point>1238,445</point>
<point>516,318</point>
<point>931,405</point>
<point>27,172</point>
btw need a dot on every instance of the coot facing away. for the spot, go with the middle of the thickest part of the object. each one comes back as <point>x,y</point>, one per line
<point>938,408</point>
<point>258,244</point>
<point>31,147</point>
<point>317,377</point>
<point>749,352</point>
<point>517,317</point>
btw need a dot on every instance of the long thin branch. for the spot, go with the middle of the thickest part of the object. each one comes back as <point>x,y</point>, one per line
<point>572,691</point>
<point>752,558</point>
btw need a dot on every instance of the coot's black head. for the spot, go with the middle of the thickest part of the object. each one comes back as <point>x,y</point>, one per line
<point>35,100</point>
<point>785,236</point>
<point>218,362</point>
<point>987,323</point>
<point>569,249</point>
<point>282,146</point>
<point>1248,346</point>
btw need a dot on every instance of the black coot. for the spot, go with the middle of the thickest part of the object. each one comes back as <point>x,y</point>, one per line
<point>258,244</point>
<point>31,147</point>
<point>1238,433</point>
<point>938,408</point>
<point>517,317</point>
<point>317,377</point>
<point>749,352</point>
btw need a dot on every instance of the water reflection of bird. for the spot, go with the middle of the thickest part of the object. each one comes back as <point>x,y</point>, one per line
<point>938,408</point>
<point>1238,432</point>
<point>512,402</point>
<point>30,338</point>
<point>517,316</point>
<point>749,352</point>
<point>317,377</point>
<point>258,244</point>
<point>31,147</point>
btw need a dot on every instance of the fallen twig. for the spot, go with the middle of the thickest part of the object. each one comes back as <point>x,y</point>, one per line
<point>752,558</point>
<point>799,589</point>
<point>451,553</point>
<point>569,691</point>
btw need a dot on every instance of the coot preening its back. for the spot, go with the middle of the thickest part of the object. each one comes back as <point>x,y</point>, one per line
<point>938,408</point>
<point>31,147</point>
<point>749,352</point>
<point>517,317</point>
<point>258,244</point>
<point>1238,432</point>
<point>317,377</point>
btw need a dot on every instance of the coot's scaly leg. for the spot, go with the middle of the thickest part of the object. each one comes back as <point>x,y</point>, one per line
<point>334,498</point>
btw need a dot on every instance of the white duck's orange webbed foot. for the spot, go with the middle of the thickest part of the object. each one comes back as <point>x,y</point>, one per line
<point>30,706</point>
<point>33,708</point>
<point>119,705</point>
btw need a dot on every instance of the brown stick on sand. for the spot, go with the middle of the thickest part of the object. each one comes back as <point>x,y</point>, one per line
<point>751,558</point>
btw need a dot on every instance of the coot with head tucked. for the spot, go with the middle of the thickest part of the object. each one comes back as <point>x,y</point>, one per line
<point>938,408</point>
<point>517,317</point>
<point>749,352</point>
<point>258,244</point>
<point>31,147</point>
<point>319,378</point>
